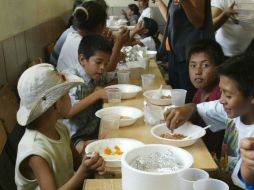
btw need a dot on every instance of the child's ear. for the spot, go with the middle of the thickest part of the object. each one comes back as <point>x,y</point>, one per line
<point>82,59</point>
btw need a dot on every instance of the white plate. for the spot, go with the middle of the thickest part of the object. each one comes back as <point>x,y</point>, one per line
<point>158,101</point>
<point>124,144</point>
<point>193,133</point>
<point>128,91</point>
<point>133,113</point>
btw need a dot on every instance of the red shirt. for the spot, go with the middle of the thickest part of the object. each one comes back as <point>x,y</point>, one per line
<point>214,95</point>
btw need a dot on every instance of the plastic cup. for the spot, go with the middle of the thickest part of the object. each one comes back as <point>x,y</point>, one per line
<point>114,96</point>
<point>109,126</point>
<point>178,96</point>
<point>123,77</point>
<point>189,176</point>
<point>147,81</point>
<point>210,184</point>
<point>153,115</point>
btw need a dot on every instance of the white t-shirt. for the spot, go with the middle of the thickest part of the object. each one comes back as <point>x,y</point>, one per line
<point>57,153</point>
<point>147,12</point>
<point>68,58</point>
<point>233,38</point>
<point>149,43</point>
<point>213,114</point>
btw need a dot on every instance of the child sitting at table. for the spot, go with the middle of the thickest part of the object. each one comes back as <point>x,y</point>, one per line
<point>147,30</point>
<point>233,112</point>
<point>132,14</point>
<point>46,158</point>
<point>94,54</point>
<point>203,57</point>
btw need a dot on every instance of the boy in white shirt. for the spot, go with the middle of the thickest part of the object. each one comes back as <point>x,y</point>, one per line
<point>233,112</point>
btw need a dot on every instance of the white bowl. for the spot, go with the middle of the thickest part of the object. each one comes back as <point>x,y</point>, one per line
<point>193,133</point>
<point>124,144</point>
<point>151,54</point>
<point>134,179</point>
<point>158,101</point>
<point>131,112</point>
<point>128,91</point>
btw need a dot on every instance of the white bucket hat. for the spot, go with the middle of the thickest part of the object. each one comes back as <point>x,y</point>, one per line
<point>39,87</point>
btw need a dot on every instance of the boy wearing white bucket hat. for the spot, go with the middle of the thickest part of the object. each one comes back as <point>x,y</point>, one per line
<point>46,158</point>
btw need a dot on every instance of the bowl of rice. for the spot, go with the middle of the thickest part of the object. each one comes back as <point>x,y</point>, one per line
<point>153,166</point>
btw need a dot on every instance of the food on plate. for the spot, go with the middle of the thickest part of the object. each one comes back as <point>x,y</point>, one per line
<point>157,162</point>
<point>175,136</point>
<point>125,117</point>
<point>165,97</point>
<point>117,151</point>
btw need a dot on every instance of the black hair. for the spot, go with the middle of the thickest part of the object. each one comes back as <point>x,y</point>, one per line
<point>134,8</point>
<point>88,22</point>
<point>151,25</point>
<point>210,47</point>
<point>90,44</point>
<point>240,69</point>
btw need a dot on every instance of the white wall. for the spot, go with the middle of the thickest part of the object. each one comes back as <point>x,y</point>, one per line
<point>19,15</point>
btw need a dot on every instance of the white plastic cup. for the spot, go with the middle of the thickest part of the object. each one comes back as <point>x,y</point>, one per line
<point>178,96</point>
<point>188,176</point>
<point>109,126</point>
<point>123,77</point>
<point>147,81</point>
<point>153,115</point>
<point>114,96</point>
<point>210,184</point>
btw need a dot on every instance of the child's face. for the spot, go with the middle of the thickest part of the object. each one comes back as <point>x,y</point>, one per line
<point>64,105</point>
<point>234,102</point>
<point>202,71</point>
<point>96,65</point>
<point>129,12</point>
<point>142,4</point>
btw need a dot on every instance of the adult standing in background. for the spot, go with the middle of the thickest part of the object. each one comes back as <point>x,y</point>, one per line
<point>233,37</point>
<point>146,10</point>
<point>187,22</point>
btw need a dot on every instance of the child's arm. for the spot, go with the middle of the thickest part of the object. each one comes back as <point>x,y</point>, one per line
<point>177,116</point>
<point>221,16</point>
<point>140,26</point>
<point>115,56</point>
<point>87,101</point>
<point>163,8</point>
<point>247,154</point>
<point>43,173</point>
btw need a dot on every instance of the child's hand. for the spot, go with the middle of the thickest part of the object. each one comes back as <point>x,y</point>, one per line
<point>94,163</point>
<point>123,37</point>
<point>123,12</point>
<point>108,34</point>
<point>140,26</point>
<point>101,93</point>
<point>177,116</point>
<point>231,12</point>
<point>247,151</point>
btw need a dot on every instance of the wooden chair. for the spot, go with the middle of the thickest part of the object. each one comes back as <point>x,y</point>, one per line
<point>8,109</point>
<point>3,137</point>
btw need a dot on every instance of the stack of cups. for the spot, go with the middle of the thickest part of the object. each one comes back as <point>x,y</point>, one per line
<point>197,179</point>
